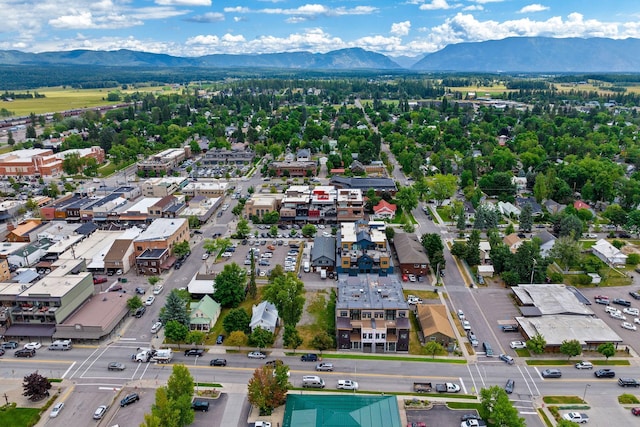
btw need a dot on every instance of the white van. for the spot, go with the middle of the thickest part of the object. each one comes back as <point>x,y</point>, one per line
<point>61,345</point>
<point>306,267</point>
<point>312,381</point>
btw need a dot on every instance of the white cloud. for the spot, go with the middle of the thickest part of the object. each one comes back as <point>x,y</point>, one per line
<point>85,20</point>
<point>400,28</point>
<point>488,1</point>
<point>435,5</point>
<point>184,2</point>
<point>237,9</point>
<point>473,7</point>
<point>295,20</point>
<point>307,10</point>
<point>207,17</point>
<point>75,21</point>
<point>536,7</point>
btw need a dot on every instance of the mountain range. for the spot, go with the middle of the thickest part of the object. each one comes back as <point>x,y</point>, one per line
<point>516,54</point>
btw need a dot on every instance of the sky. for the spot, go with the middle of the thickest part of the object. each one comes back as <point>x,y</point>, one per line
<point>393,28</point>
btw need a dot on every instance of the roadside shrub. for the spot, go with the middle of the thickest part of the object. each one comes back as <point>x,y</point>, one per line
<point>628,399</point>
<point>633,259</point>
<point>556,277</point>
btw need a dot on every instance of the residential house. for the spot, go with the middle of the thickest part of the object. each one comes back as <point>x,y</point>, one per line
<point>485,252</point>
<point>513,242</point>
<point>372,315</point>
<point>469,212</point>
<point>303,155</point>
<point>384,210</point>
<point>204,314</point>
<point>508,209</point>
<point>547,240</point>
<point>323,253</point>
<point>536,209</point>
<point>553,207</point>
<point>435,325</point>
<point>579,204</point>
<point>265,316</point>
<point>608,253</point>
<point>363,249</point>
<point>412,258</point>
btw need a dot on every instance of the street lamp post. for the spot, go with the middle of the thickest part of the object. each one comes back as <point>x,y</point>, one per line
<point>195,362</point>
<point>584,396</point>
<point>533,269</point>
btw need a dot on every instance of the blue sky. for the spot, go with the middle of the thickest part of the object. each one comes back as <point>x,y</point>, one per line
<point>394,28</point>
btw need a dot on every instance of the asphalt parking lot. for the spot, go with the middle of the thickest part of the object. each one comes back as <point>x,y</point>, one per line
<point>438,415</point>
<point>263,265</point>
<point>214,416</point>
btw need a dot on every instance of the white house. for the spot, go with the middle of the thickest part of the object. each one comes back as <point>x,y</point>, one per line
<point>608,253</point>
<point>265,316</point>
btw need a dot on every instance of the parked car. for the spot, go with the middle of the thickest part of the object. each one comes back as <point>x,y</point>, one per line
<point>157,290</point>
<point>218,362</point>
<point>98,280</point>
<point>309,357</point>
<point>629,326</point>
<point>156,327</point>
<point>622,302</point>
<point>140,290</point>
<point>466,325</point>
<point>605,373</point>
<point>635,411</point>
<point>129,399</point>
<point>33,345</point>
<point>256,355</point>
<point>634,295</point>
<point>518,344</point>
<point>200,405</point>
<point>205,255</point>
<point>139,311</point>
<point>551,373</point>
<point>9,345</point>
<point>194,352</point>
<point>509,328</point>
<point>55,411</point>
<point>220,339</point>
<point>150,299</point>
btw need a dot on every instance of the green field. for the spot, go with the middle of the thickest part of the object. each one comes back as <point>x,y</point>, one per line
<point>61,99</point>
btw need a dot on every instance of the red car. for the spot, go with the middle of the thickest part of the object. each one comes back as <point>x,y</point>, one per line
<point>417,424</point>
<point>635,411</point>
<point>601,297</point>
<point>98,280</point>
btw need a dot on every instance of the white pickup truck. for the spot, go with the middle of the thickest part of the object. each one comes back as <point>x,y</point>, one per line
<point>576,417</point>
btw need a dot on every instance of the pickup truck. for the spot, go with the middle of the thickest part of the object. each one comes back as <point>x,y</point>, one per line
<point>576,417</point>
<point>440,388</point>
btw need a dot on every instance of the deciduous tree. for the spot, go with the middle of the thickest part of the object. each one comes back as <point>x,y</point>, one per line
<point>36,387</point>
<point>433,348</point>
<point>236,320</point>
<point>291,337</point>
<point>567,250</point>
<point>537,344</point>
<point>266,391</point>
<point>261,338</point>
<point>230,284</point>
<point>322,341</point>
<point>607,350</point>
<point>571,348</point>
<point>176,331</point>
<point>497,409</point>
<point>237,338</point>
<point>286,293</point>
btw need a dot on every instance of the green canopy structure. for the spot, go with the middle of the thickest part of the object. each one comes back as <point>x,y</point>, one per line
<point>341,410</point>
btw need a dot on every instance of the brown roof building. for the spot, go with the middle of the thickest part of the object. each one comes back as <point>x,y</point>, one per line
<point>434,324</point>
<point>412,258</point>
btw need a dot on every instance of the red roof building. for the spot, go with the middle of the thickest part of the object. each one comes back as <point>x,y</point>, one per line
<point>384,209</point>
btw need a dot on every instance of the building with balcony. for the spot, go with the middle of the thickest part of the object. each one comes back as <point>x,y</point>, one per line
<point>363,249</point>
<point>372,315</point>
<point>295,204</point>
<point>164,161</point>
<point>293,168</point>
<point>322,206</point>
<point>222,156</point>
<point>154,246</point>
<point>349,205</point>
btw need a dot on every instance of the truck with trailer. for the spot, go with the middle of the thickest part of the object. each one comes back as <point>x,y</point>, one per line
<point>164,355</point>
<point>425,387</point>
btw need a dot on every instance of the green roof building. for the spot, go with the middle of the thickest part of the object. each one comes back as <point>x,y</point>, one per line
<point>341,410</point>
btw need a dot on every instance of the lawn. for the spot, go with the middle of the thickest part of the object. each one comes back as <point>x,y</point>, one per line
<point>562,400</point>
<point>19,417</point>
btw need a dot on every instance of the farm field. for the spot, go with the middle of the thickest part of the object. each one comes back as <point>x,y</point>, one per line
<point>61,99</point>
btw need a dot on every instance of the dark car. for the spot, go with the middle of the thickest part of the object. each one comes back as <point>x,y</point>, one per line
<point>194,352</point>
<point>624,235</point>
<point>467,417</point>
<point>25,352</point>
<point>551,373</point>
<point>635,411</point>
<point>309,357</point>
<point>139,311</point>
<point>220,339</point>
<point>115,288</point>
<point>605,373</point>
<point>508,387</point>
<point>218,362</point>
<point>200,405</point>
<point>274,363</point>
<point>622,302</point>
<point>177,266</point>
<point>628,382</point>
<point>128,399</point>
<point>634,295</point>
<point>509,328</point>
<point>1,352</point>
<point>140,290</point>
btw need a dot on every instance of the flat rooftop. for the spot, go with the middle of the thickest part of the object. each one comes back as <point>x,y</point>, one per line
<point>551,299</point>
<point>370,291</point>
<point>161,228</point>
<point>557,328</point>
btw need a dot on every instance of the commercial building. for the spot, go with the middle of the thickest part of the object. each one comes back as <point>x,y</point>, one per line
<point>372,315</point>
<point>36,162</point>
<point>163,186</point>
<point>206,189</point>
<point>154,246</point>
<point>165,161</point>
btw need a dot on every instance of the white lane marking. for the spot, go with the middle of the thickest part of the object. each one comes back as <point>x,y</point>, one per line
<point>464,389</point>
<point>69,369</point>
<point>110,388</point>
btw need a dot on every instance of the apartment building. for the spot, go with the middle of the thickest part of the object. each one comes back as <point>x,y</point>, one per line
<point>363,249</point>
<point>372,315</point>
<point>349,205</point>
<point>154,246</point>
